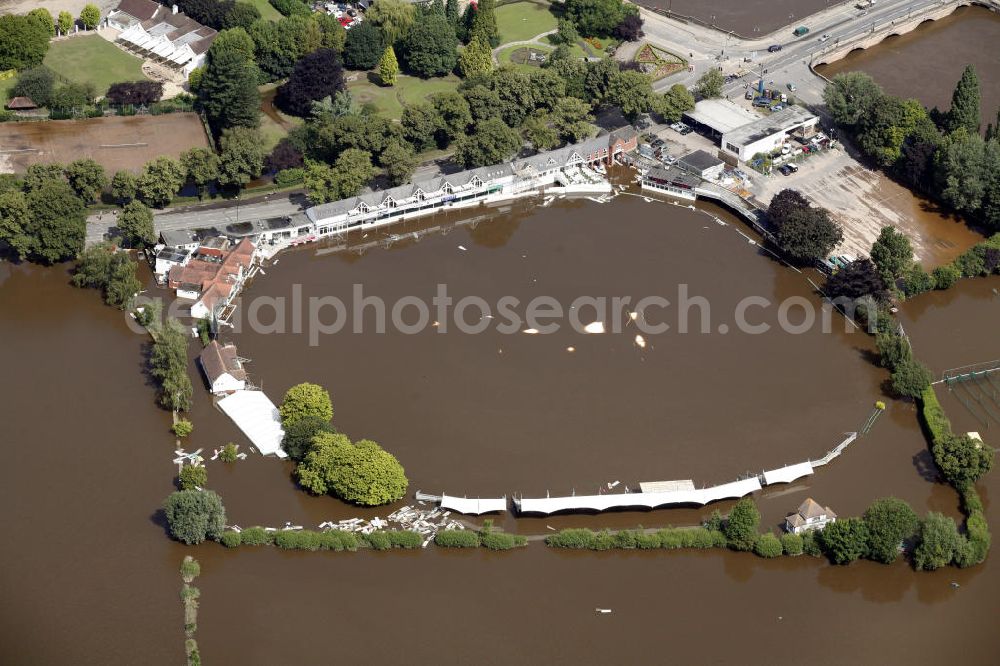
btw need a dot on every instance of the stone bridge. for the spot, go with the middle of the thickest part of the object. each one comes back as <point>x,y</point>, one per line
<point>908,20</point>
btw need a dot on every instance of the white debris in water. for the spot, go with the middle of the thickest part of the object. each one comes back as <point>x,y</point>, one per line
<point>462,248</point>
<point>530,331</point>
<point>641,341</point>
<point>425,521</point>
<point>633,315</point>
<point>594,327</point>
<point>571,349</point>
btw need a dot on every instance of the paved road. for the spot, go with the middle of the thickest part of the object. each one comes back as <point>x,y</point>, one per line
<point>707,48</point>
<point>208,215</point>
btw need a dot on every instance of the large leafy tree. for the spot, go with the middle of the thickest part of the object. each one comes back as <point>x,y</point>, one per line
<point>515,92</point>
<point>317,75</point>
<point>362,473</point>
<point>845,540</point>
<point>201,167</point>
<point>195,515</point>
<point>595,17</point>
<point>883,130</point>
<point>364,46</point>
<point>965,103</point>
<point>124,186</point>
<point>632,92</point>
<point>90,16</point>
<point>305,400</point>
<point>571,118</point>
<point>673,103</point>
<point>36,83</point>
<point>369,476</point>
<point>430,46</point>
<point>859,278</point>
<point>278,45</point>
<point>114,273</point>
<point>741,525</point>
<point>393,18</point>
<point>421,125</point>
<point>241,156</point>
<point>56,223</point>
<point>491,142</point>
<point>228,90</point>
<point>710,84</point>
<point>910,378</point>
<point>159,182</point>
<point>15,221</point>
<point>23,42</point>
<point>889,522</point>
<point>850,97</point>
<point>938,541</point>
<point>300,433</point>
<point>892,253</point>
<point>962,459</point>
<point>456,116</point>
<point>136,225</point>
<point>804,232</point>
<point>346,178</point>
<point>398,162</point>
<point>87,178</point>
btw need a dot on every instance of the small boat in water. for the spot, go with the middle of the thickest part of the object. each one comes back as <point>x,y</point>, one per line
<point>603,610</point>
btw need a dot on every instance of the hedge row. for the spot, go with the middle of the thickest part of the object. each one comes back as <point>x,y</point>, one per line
<point>488,538</point>
<point>291,539</point>
<point>684,537</point>
<point>387,539</point>
<point>933,415</point>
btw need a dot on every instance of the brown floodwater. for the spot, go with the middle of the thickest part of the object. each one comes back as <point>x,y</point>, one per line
<point>927,62</point>
<point>88,462</point>
<point>750,18</point>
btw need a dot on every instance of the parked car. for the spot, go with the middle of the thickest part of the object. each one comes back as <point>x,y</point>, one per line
<point>785,171</point>
<point>676,126</point>
<point>685,129</point>
<point>791,87</point>
<point>825,37</point>
<point>801,30</point>
<point>777,107</point>
<point>774,48</point>
<point>659,143</point>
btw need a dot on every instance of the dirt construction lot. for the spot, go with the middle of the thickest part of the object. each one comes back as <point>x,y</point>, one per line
<point>115,142</point>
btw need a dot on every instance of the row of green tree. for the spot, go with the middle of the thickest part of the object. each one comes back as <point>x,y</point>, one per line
<point>887,528</point>
<point>941,154</point>
<point>24,39</point>
<point>328,462</point>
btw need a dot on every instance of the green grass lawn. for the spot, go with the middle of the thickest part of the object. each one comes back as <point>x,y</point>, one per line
<point>521,21</point>
<point>93,59</point>
<point>5,86</point>
<point>389,100</point>
<point>274,124</point>
<point>266,10</point>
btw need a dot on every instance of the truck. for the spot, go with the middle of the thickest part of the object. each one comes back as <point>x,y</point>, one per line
<point>801,30</point>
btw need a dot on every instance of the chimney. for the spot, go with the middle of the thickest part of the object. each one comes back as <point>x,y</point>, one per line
<point>175,9</point>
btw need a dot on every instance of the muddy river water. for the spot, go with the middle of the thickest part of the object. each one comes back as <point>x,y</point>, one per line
<point>91,577</point>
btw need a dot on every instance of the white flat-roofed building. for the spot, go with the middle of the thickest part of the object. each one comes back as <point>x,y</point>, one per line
<point>766,134</point>
<point>719,116</point>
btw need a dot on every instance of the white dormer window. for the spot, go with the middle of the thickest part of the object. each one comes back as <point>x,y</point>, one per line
<point>447,188</point>
<point>390,202</point>
<point>420,195</point>
<point>476,181</point>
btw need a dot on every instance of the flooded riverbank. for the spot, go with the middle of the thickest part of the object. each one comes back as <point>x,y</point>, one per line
<point>927,62</point>
<point>753,18</point>
<point>464,418</point>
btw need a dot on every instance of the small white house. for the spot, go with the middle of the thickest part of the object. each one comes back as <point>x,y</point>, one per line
<point>810,516</point>
<point>167,258</point>
<point>223,368</point>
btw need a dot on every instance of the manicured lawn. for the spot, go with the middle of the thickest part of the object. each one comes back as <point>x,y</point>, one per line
<point>389,100</point>
<point>93,59</point>
<point>266,10</point>
<point>523,20</point>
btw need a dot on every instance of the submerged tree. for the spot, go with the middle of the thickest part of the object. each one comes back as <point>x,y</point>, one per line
<point>194,515</point>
